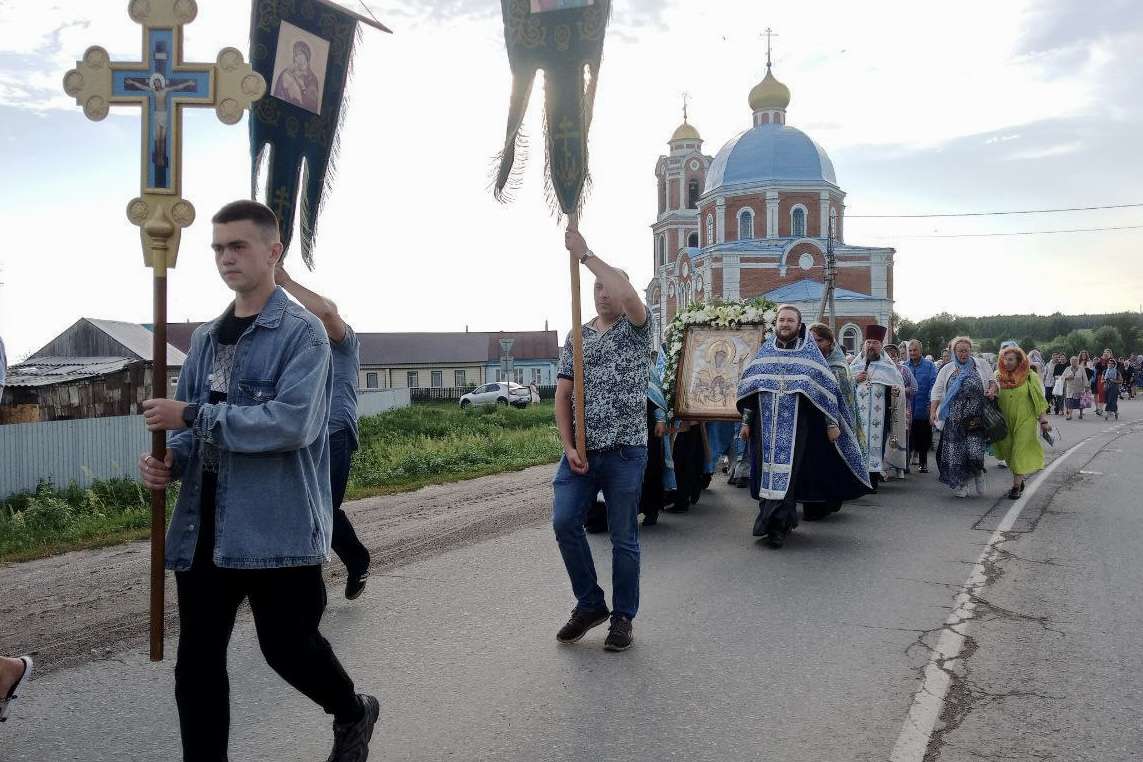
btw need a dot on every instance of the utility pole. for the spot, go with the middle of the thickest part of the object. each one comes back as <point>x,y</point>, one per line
<point>828,302</point>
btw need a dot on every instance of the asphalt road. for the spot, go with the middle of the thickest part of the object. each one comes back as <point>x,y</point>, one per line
<point>812,652</point>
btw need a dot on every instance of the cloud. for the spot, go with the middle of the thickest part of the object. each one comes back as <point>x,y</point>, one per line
<point>1060,149</point>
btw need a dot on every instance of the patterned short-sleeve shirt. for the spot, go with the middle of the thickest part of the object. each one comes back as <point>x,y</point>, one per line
<point>614,383</point>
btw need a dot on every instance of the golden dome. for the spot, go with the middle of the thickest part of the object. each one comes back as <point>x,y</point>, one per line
<point>686,132</point>
<point>769,94</point>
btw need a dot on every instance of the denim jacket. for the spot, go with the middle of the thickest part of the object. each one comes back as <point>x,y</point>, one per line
<point>273,504</point>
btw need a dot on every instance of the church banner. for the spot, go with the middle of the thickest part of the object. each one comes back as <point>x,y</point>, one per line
<point>565,39</point>
<point>304,49</point>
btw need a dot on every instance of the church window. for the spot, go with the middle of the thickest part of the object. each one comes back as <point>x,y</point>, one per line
<point>692,194</point>
<point>710,230</point>
<point>745,225</point>
<point>662,195</point>
<point>850,338</point>
<point>806,261</point>
<point>692,240</point>
<point>798,222</point>
<point>662,258</point>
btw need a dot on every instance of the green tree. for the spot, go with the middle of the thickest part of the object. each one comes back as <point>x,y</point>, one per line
<point>1108,337</point>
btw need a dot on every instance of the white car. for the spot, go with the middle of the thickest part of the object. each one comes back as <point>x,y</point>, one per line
<point>501,393</point>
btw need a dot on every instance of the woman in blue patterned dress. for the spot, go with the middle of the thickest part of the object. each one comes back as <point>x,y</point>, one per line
<point>960,393</point>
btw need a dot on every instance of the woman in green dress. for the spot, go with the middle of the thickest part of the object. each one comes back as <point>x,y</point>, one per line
<point>1024,406</point>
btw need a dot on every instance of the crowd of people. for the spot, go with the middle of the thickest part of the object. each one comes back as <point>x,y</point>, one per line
<point>263,426</point>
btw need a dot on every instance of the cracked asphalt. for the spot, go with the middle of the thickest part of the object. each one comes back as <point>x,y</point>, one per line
<point>812,652</point>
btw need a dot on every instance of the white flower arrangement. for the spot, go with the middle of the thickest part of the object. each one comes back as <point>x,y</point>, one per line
<point>731,314</point>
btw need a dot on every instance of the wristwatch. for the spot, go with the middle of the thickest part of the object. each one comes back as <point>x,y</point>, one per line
<point>586,256</point>
<point>190,413</point>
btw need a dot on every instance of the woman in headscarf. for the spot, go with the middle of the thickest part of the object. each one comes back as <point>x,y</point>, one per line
<point>1075,384</point>
<point>1100,369</point>
<point>1022,402</point>
<point>1112,378</point>
<point>960,393</point>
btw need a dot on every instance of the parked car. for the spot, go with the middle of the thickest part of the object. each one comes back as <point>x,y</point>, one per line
<point>500,393</point>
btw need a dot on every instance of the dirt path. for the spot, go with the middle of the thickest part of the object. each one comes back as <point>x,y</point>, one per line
<point>92,604</point>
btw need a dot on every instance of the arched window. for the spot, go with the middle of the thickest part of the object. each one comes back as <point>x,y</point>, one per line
<point>745,225</point>
<point>662,258</point>
<point>662,195</point>
<point>798,222</point>
<point>692,194</point>
<point>692,240</point>
<point>850,338</point>
<point>710,230</point>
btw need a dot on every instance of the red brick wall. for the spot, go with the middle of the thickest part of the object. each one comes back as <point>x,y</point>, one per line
<point>788,201</point>
<point>673,194</point>
<point>735,205</point>
<point>856,279</point>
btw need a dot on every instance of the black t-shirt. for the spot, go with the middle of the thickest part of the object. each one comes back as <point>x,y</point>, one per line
<point>229,331</point>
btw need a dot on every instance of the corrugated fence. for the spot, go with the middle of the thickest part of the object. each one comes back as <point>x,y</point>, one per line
<point>77,451</point>
<point>82,451</point>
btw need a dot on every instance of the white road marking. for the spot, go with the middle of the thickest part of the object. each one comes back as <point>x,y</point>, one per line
<point>1092,473</point>
<point>930,698</point>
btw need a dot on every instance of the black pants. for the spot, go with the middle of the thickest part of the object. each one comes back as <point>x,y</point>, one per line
<point>345,543</point>
<point>921,440</point>
<point>287,605</point>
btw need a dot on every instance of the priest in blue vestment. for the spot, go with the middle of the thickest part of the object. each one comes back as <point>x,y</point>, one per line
<point>802,445</point>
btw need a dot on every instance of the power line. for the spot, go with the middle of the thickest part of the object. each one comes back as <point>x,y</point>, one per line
<point>992,214</point>
<point>1021,233</point>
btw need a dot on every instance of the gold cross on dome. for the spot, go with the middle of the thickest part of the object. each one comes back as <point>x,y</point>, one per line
<point>770,33</point>
<point>161,84</point>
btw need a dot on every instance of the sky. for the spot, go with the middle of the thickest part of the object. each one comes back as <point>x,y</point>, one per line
<point>923,108</point>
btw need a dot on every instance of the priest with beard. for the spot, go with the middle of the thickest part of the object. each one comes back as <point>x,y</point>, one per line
<point>802,445</point>
<point>880,407</point>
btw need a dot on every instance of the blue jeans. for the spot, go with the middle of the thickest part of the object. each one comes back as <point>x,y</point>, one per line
<point>345,543</point>
<point>619,473</point>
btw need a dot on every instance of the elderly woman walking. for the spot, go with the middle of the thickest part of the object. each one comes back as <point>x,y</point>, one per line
<point>960,393</point>
<point>1075,385</point>
<point>1022,402</point>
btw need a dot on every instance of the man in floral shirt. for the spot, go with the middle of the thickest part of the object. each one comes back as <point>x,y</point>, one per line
<point>615,349</point>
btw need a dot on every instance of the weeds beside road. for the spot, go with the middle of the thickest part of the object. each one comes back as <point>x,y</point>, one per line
<point>401,450</point>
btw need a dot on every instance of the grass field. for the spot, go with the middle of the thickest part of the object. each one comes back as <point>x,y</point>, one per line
<point>400,450</point>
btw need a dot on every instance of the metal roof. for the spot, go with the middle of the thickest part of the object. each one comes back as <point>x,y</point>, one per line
<point>463,348</point>
<point>809,290</point>
<point>137,338</point>
<point>44,371</point>
<point>770,153</point>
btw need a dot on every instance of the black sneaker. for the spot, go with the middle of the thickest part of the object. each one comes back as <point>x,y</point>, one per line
<point>355,585</point>
<point>581,621</point>
<point>351,739</point>
<point>619,638</point>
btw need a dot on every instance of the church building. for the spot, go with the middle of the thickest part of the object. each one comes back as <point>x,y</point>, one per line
<point>756,220</point>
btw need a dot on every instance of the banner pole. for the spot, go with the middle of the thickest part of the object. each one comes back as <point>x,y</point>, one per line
<point>577,349</point>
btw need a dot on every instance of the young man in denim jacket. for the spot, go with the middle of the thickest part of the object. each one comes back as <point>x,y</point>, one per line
<point>249,441</point>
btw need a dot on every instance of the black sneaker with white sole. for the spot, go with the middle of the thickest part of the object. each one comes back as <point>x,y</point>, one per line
<point>619,638</point>
<point>581,621</point>
<point>355,585</point>
<point>351,739</point>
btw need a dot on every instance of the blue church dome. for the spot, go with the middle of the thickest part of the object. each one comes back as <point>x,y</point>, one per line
<point>769,153</point>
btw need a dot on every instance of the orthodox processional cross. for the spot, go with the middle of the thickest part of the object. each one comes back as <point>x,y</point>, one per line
<point>161,84</point>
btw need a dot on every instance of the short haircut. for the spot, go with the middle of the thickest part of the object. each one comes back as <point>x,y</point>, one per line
<point>916,343</point>
<point>821,330</point>
<point>782,307</point>
<point>261,215</point>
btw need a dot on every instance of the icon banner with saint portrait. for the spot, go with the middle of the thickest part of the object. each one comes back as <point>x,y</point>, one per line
<point>712,362</point>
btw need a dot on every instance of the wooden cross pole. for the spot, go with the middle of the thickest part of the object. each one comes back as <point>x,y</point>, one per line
<point>161,84</point>
<point>577,350</point>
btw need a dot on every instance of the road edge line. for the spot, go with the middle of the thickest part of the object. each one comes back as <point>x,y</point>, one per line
<point>929,699</point>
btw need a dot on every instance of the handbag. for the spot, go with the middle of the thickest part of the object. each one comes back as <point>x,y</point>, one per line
<point>990,423</point>
<point>1087,401</point>
<point>1058,387</point>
